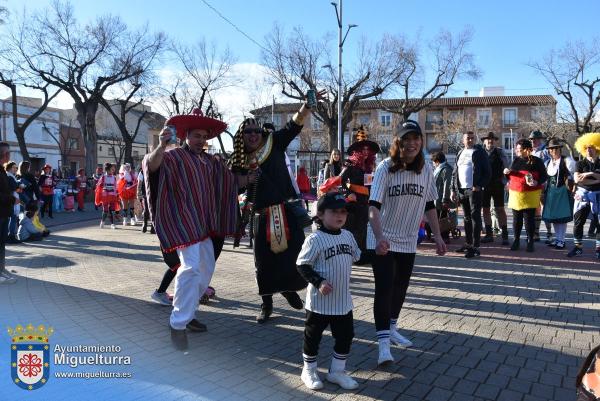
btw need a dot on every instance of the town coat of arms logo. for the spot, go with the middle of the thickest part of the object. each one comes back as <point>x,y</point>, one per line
<point>30,355</point>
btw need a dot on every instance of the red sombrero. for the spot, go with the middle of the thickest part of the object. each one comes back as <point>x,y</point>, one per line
<point>196,120</point>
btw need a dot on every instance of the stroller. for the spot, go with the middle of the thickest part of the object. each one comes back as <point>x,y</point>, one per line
<point>448,224</point>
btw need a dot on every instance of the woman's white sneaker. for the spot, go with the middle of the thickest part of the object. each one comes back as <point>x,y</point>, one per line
<point>342,379</point>
<point>398,339</point>
<point>311,379</point>
<point>385,356</point>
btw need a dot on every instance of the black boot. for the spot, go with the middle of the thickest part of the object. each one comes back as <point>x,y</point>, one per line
<point>265,313</point>
<point>516,245</point>
<point>144,228</point>
<point>504,235</point>
<point>530,247</point>
<point>489,235</point>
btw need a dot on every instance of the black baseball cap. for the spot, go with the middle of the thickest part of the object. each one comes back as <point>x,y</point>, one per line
<point>409,126</point>
<point>331,200</point>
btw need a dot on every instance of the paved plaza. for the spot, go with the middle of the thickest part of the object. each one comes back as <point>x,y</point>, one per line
<point>508,326</point>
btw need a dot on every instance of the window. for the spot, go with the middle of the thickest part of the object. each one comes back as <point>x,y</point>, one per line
<point>73,144</point>
<point>432,144</point>
<point>433,120</point>
<point>385,119</point>
<point>484,118</point>
<point>136,154</point>
<point>111,151</point>
<point>541,113</point>
<point>363,119</point>
<point>509,117</point>
<point>508,141</point>
<point>316,125</point>
<point>277,121</point>
<point>100,148</point>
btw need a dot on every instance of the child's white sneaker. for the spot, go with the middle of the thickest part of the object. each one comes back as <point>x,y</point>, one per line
<point>132,222</point>
<point>124,221</point>
<point>113,227</point>
<point>385,356</point>
<point>398,339</point>
<point>101,224</point>
<point>342,379</point>
<point>311,379</point>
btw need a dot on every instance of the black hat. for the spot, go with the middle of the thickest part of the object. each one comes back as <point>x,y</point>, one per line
<point>490,135</point>
<point>554,143</point>
<point>362,139</point>
<point>331,200</point>
<point>537,134</point>
<point>409,126</point>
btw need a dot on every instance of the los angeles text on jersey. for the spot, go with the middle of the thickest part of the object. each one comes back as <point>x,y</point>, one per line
<point>406,189</point>
<point>338,249</point>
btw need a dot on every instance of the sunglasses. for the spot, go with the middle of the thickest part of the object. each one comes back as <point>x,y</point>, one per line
<point>249,131</point>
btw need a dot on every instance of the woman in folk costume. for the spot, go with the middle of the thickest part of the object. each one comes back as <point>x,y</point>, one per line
<point>356,177</point>
<point>47,183</point>
<point>106,195</point>
<point>127,189</point>
<point>192,199</point>
<point>278,235</point>
<point>558,202</point>
<point>526,178</point>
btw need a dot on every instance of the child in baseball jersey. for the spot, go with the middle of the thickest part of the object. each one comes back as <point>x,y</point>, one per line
<point>325,262</point>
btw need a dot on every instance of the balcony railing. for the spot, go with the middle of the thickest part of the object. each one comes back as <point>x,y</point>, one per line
<point>510,122</point>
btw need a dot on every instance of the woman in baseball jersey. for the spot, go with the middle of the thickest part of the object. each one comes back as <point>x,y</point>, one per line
<point>403,189</point>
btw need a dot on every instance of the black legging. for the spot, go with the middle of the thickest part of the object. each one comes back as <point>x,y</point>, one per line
<point>392,275</point>
<point>518,217</point>
<point>48,199</point>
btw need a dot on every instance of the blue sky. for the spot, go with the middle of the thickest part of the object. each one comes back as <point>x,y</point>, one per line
<point>507,34</point>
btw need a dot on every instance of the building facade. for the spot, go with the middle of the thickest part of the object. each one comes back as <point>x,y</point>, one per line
<point>443,122</point>
<point>42,136</point>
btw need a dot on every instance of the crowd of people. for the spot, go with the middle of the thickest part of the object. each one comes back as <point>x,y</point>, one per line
<point>366,213</point>
<point>542,184</point>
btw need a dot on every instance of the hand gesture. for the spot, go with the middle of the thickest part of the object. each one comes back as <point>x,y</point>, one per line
<point>440,245</point>
<point>325,288</point>
<point>383,246</point>
<point>165,137</point>
<point>507,171</point>
<point>453,197</point>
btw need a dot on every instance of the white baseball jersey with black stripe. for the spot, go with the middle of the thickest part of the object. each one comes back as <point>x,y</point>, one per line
<point>402,196</point>
<point>331,256</point>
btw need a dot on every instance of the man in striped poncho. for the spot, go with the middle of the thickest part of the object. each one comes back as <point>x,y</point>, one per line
<point>192,198</point>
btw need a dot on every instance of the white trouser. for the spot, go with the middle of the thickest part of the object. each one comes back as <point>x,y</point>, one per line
<point>192,280</point>
<point>560,229</point>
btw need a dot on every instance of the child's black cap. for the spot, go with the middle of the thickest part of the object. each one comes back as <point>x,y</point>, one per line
<point>331,200</point>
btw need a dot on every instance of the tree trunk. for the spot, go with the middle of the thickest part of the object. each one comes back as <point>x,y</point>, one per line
<point>128,151</point>
<point>86,116</point>
<point>22,144</point>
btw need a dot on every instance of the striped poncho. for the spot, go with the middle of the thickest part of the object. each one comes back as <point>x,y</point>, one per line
<point>191,198</point>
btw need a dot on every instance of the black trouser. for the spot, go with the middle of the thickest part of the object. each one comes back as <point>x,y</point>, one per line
<point>48,199</point>
<point>342,330</point>
<point>529,216</point>
<point>3,235</point>
<point>392,275</point>
<point>579,219</point>
<point>471,204</point>
<point>146,211</point>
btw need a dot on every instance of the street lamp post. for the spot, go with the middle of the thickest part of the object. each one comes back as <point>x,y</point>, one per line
<point>341,40</point>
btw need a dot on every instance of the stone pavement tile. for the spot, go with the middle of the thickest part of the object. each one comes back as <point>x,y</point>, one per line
<point>509,395</point>
<point>465,387</point>
<point>488,391</point>
<point>439,394</point>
